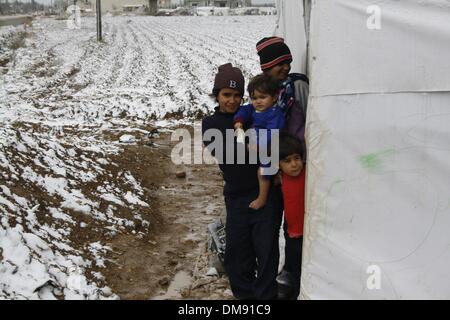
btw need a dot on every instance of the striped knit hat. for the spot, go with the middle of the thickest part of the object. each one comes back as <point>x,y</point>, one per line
<point>272,51</point>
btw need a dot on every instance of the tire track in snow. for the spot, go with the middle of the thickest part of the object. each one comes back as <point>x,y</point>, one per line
<point>185,71</point>
<point>186,44</point>
<point>164,87</point>
<point>131,70</point>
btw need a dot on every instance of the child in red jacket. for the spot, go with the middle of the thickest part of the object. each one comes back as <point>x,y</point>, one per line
<point>293,187</point>
<point>292,183</point>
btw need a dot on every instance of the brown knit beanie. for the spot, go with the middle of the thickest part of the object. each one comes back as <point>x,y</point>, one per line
<point>229,77</point>
<point>272,51</point>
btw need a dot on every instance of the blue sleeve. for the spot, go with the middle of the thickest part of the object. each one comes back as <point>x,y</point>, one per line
<point>276,121</point>
<point>244,114</point>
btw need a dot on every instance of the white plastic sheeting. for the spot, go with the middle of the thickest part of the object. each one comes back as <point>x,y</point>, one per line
<point>291,27</point>
<point>410,51</point>
<point>378,195</point>
<point>378,134</point>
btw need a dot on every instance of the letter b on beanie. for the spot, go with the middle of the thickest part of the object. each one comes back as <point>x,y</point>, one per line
<point>229,77</point>
<point>272,51</point>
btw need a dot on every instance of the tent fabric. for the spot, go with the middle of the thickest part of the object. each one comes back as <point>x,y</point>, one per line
<point>291,27</point>
<point>377,195</point>
<point>409,53</point>
<point>378,172</point>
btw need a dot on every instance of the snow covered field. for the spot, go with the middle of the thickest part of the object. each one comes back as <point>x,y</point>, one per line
<point>65,100</point>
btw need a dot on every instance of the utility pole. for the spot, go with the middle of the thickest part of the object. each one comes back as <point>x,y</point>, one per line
<point>152,7</point>
<point>99,21</point>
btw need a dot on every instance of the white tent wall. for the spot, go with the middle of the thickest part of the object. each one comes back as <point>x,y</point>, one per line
<point>378,181</point>
<point>408,53</point>
<point>378,136</point>
<point>291,27</point>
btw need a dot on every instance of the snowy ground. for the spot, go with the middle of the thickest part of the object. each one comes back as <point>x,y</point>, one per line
<point>66,185</point>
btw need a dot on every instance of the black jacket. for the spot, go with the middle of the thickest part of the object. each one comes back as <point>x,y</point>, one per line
<point>239,179</point>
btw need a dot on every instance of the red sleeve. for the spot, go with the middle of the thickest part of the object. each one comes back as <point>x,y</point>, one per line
<point>294,203</point>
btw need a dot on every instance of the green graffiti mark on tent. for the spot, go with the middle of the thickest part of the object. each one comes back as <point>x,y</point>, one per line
<point>374,161</point>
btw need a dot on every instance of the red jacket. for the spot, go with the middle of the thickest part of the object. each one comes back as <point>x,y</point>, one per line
<point>294,203</point>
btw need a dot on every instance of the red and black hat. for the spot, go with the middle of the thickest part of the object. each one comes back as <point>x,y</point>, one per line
<point>272,51</point>
<point>229,77</point>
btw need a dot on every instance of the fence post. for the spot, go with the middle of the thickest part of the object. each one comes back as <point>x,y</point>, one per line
<point>99,21</point>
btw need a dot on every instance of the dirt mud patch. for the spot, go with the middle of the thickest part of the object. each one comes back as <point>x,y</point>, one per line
<point>172,260</point>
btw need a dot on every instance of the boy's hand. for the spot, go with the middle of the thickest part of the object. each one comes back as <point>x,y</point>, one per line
<point>258,203</point>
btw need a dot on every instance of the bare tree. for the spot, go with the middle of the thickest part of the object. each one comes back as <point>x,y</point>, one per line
<point>152,7</point>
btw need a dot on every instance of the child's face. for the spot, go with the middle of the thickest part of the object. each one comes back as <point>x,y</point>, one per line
<point>292,165</point>
<point>229,100</point>
<point>262,101</point>
<point>279,72</point>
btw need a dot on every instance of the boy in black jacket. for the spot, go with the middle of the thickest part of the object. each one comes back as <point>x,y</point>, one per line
<point>252,253</point>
